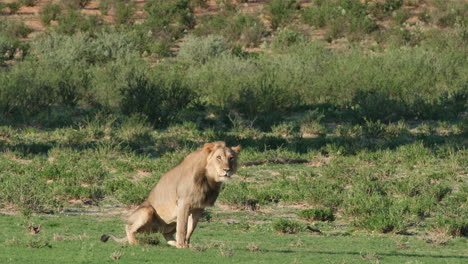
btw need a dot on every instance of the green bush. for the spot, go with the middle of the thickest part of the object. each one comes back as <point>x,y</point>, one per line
<point>159,100</point>
<point>317,214</point>
<point>50,12</point>
<point>72,21</point>
<point>104,6</point>
<point>166,22</point>
<point>14,7</point>
<point>280,12</point>
<point>400,16</point>
<point>124,12</point>
<point>14,29</point>
<point>285,226</point>
<point>201,49</point>
<point>286,38</point>
<point>28,2</point>
<point>75,4</point>
<point>238,29</point>
<point>454,226</point>
<point>340,16</point>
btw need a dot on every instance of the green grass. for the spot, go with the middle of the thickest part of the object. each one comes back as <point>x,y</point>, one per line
<point>74,237</point>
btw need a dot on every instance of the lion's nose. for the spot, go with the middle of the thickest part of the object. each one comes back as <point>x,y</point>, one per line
<point>226,169</point>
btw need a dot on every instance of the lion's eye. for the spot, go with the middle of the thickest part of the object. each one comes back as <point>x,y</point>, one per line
<point>218,157</point>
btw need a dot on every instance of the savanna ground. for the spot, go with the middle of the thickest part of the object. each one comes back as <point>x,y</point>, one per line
<point>99,98</point>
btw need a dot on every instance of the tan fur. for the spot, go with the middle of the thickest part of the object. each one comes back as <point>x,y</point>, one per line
<point>177,201</point>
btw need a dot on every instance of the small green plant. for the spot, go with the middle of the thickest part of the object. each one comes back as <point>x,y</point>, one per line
<point>400,16</point>
<point>311,123</point>
<point>124,13</point>
<point>281,12</point>
<point>236,28</point>
<point>340,17</point>
<point>75,4</point>
<point>104,6</point>
<point>28,2</point>
<point>317,214</point>
<point>286,38</point>
<point>201,49</point>
<point>14,7</point>
<point>50,12</point>
<point>453,226</point>
<point>284,129</point>
<point>15,29</point>
<point>73,21</point>
<point>285,226</point>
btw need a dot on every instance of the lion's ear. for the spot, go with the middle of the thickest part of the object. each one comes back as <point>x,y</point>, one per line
<point>237,149</point>
<point>208,147</point>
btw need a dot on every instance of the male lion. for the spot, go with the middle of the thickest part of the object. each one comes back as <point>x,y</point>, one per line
<point>177,201</point>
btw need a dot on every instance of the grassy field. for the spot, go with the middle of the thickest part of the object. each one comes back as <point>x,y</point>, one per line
<point>74,237</point>
<point>378,193</point>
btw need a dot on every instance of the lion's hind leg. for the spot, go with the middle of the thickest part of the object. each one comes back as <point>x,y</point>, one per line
<point>142,220</point>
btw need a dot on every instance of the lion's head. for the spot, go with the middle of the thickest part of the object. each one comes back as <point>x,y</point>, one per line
<point>221,160</point>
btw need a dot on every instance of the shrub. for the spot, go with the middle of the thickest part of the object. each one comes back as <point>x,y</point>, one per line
<point>28,2</point>
<point>166,23</point>
<point>238,29</point>
<point>341,16</point>
<point>163,13</point>
<point>14,7</point>
<point>50,12</point>
<point>285,226</point>
<point>159,100</point>
<point>400,16</point>
<point>201,49</point>
<point>454,226</point>
<point>72,21</point>
<point>286,38</point>
<point>124,13</point>
<point>8,47</point>
<point>14,29</point>
<point>280,11</point>
<point>104,6</point>
<point>317,214</point>
<point>75,4</point>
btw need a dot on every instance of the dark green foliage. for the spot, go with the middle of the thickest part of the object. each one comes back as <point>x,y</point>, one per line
<point>14,7</point>
<point>164,13</point>
<point>9,46</point>
<point>285,226</point>
<point>50,12</point>
<point>28,2</point>
<point>317,214</point>
<point>124,12</point>
<point>158,100</point>
<point>75,4</point>
<point>72,21</point>
<point>281,11</point>
<point>341,17</point>
<point>166,23</point>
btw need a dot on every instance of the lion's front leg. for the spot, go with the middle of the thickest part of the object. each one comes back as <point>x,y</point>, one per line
<point>182,219</point>
<point>195,214</point>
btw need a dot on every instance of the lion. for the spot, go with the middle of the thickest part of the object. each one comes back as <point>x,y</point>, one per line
<point>177,201</point>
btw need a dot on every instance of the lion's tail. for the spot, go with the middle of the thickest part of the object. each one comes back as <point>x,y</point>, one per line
<point>105,237</point>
